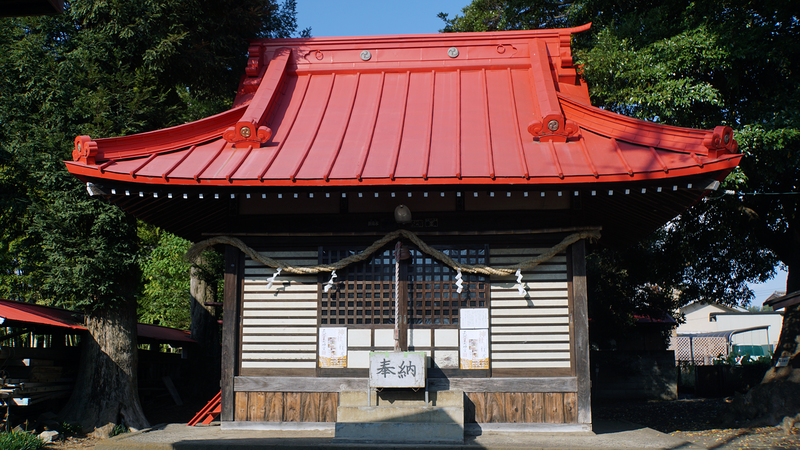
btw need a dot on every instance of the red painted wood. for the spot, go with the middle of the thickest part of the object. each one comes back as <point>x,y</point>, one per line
<point>208,412</point>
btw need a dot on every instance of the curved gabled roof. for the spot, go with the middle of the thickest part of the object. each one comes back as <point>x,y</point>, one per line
<point>425,110</point>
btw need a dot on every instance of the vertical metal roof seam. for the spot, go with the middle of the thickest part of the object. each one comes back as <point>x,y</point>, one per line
<point>343,132</point>
<point>621,156</point>
<point>102,167</point>
<point>588,157</point>
<point>362,160</point>
<point>241,161</point>
<point>487,124</point>
<point>399,140</point>
<point>141,166</point>
<point>458,124</point>
<point>292,121</point>
<point>657,157</point>
<point>317,125</point>
<point>177,163</point>
<point>697,159</point>
<point>429,133</point>
<point>517,131</point>
<point>208,163</point>
<point>555,159</point>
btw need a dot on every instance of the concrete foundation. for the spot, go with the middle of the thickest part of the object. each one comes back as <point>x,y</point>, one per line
<point>400,415</point>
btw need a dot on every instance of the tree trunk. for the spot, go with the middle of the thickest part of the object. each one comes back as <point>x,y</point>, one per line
<point>206,355</point>
<point>106,389</point>
<point>778,395</point>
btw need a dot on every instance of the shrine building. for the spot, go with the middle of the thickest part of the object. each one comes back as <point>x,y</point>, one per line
<point>432,194</point>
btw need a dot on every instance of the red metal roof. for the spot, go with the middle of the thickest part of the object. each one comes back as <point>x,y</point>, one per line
<point>473,109</point>
<point>162,334</point>
<point>29,313</point>
<point>14,313</point>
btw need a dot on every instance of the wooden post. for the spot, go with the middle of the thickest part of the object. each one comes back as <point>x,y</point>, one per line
<point>581,324</point>
<point>230,330</point>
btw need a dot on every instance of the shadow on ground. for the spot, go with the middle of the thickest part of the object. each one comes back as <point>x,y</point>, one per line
<point>665,416</point>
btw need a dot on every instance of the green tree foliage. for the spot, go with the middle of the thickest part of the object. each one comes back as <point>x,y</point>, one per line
<point>104,68</point>
<point>501,15</point>
<point>698,64</point>
<point>164,299</point>
<point>165,295</point>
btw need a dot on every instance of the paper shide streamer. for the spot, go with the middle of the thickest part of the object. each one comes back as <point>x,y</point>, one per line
<point>329,284</point>
<point>272,278</point>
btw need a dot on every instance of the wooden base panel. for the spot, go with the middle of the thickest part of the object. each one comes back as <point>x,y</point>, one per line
<point>330,384</point>
<point>479,407</point>
<point>521,407</point>
<point>286,406</point>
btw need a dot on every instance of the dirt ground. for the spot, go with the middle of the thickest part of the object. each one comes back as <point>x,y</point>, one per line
<point>698,421</point>
<point>695,420</point>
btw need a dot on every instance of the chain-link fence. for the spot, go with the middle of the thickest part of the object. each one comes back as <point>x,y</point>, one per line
<point>699,350</point>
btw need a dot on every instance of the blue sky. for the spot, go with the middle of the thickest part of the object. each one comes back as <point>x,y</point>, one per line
<point>763,291</point>
<point>374,17</point>
<point>382,17</point>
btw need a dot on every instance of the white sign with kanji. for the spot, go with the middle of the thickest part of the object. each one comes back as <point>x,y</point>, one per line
<point>397,369</point>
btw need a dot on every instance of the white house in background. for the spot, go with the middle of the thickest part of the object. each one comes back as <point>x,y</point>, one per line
<point>711,329</point>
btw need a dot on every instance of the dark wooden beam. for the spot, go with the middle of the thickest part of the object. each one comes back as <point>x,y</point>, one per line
<point>230,328</point>
<point>581,326</point>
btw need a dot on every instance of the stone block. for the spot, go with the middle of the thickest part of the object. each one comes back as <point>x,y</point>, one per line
<point>400,432</point>
<point>416,414</point>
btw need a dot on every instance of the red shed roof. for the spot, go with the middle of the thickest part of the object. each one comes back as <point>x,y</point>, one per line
<point>28,313</point>
<point>424,110</point>
<point>15,313</point>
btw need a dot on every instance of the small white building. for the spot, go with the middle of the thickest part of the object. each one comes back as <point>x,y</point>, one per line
<point>711,329</point>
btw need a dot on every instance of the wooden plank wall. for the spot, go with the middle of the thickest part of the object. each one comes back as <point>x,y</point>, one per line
<point>521,407</point>
<point>286,406</point>
<point>531,336</point>
<point>530,333</point>
<point>279,325</point>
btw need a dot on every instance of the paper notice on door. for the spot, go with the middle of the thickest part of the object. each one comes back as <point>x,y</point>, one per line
<point>333,347</point>
<point>473,318</point>
<point>474,349</point>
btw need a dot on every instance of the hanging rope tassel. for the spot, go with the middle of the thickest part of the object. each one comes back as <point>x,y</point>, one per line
<point>521,287</point>
<point>329,284</point>
<point>272,278</point>
<point>397,249</point>
<point>459,283</point>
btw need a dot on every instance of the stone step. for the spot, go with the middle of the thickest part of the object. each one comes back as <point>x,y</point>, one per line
<point>403,414</point>
<point>405,433</point>
<point>402,398</point>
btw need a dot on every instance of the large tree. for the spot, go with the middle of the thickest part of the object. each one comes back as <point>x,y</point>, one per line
<point>103,68</point>
<point>701,64</point>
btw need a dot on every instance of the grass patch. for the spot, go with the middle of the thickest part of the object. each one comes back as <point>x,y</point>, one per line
<point>20,440</point>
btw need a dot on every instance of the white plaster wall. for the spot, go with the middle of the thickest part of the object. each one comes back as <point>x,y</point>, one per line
<point>697,319</point>
<point>747,320</point>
